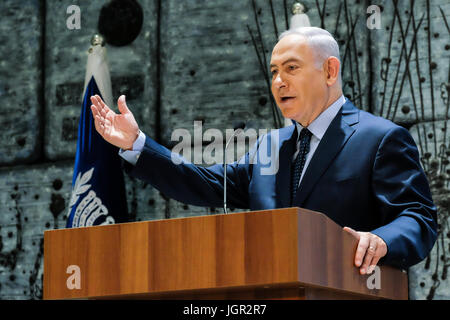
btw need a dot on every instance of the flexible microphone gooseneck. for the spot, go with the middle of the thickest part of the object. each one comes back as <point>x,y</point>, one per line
<point>237,130</point>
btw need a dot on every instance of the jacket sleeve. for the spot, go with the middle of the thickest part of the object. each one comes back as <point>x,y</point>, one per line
<point>409,216</point>
<point>195,185</point>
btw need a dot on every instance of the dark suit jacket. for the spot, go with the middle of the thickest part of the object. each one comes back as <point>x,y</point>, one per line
<point>364,174</point>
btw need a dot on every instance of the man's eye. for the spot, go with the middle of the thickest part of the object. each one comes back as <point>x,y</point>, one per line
<point>273,72</point>
<point>292,67</point>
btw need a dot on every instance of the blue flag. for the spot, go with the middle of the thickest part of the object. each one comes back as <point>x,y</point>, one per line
<point>98,189</point>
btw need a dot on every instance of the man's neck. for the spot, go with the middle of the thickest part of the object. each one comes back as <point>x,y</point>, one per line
<point>331,99</point>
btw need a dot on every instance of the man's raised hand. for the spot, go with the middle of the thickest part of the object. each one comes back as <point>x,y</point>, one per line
<point>121,129</point>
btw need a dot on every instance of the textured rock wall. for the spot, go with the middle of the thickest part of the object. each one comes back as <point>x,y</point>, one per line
<point>202,62</point>
<point>21,81</point>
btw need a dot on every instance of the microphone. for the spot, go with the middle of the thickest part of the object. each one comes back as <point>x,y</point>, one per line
<point>238,128</point>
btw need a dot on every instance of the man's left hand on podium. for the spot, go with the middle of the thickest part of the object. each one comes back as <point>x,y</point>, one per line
<point>371,248</point>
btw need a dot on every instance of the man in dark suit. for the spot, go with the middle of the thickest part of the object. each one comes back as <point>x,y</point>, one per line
<point>360,170</point>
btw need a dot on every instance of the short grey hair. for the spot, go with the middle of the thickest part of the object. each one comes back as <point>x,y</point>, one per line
<point>320,41</point>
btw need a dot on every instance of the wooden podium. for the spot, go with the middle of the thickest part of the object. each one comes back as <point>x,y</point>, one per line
<point>275,254</point>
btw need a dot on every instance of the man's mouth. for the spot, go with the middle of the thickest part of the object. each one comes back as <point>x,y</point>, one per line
<point>284,99</point>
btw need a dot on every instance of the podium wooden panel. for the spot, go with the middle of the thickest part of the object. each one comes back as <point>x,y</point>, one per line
<point>275,254</point>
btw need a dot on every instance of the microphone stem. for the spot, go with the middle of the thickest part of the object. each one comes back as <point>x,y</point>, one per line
<point>225,172</point>
<point>225,189</point>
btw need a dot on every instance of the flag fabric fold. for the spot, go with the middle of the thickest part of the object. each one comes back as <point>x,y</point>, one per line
<point>98,189</point>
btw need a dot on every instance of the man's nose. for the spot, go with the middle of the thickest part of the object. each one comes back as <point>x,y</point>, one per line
<point>279,81</point>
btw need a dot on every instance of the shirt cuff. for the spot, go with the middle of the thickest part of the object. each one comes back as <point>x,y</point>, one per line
<point>132,156</point>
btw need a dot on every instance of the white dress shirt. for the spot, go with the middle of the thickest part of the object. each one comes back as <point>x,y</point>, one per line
<point>318,128</point>
<point>132,156</point>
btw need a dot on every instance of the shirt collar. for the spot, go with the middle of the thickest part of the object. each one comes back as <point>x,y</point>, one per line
<point>320,125</point>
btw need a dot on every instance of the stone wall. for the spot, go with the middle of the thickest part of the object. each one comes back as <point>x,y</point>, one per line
<point>200,60</point>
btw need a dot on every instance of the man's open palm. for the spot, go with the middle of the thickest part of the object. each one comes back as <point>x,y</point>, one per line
<point>121,129</point>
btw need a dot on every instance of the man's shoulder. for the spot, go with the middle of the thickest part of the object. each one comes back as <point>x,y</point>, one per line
<point>374,124</point>
<point>372,130</point>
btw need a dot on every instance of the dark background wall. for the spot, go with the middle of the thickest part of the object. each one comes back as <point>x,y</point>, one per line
<point>198,60</point>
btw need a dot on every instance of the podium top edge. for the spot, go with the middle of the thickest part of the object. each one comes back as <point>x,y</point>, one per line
<point>279,210</point>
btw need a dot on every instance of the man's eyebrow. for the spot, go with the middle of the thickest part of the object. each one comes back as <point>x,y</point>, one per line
<point>287,61</point>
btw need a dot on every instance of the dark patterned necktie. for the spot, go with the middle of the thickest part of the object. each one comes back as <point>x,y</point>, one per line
<point>299,163</point>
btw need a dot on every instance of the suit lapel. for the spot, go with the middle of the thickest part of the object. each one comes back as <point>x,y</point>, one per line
<point>337,134</point>
<point>283,177</point>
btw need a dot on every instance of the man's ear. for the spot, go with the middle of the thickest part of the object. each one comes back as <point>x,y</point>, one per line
<point>332,66</point>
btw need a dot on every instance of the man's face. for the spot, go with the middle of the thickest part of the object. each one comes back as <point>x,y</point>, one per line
<point>299,88</point>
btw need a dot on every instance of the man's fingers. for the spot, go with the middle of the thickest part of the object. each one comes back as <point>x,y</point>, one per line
<point>94,110</point>
<point>361,250</point>
<point>99,120</point>
<point>100,101</point>
<point>352,232</point>
<point>370,250</point>
<point>104,105</point>
<point>374,262</point>
<point>363,244</point>
<point>96,103</point>
<point>98,125</point>
<point>370,253</point>
<point>122,105</point>
<point>380,253</point>
<point>101,106</point>
<point>95,115</point>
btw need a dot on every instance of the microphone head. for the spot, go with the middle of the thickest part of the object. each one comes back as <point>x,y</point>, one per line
<point>239,125</point>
